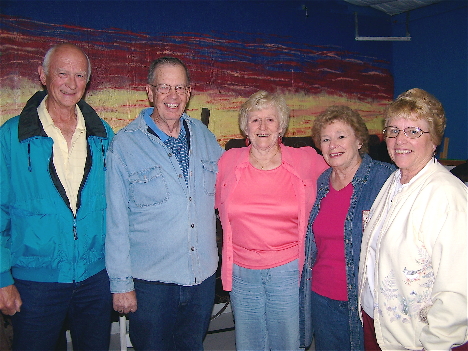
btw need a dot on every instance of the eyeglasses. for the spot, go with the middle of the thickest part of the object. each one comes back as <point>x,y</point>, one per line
<point>165,88</point>
<point>410,132</point>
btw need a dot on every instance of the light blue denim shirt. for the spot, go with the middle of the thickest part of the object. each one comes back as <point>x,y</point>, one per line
<point>158,228</point>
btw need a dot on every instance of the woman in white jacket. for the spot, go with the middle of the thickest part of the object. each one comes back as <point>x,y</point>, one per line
<point>413,265</point>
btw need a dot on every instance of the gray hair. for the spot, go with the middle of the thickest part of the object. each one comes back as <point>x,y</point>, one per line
<point>50,53</point>
<point>260,100</point>
<point>166,61</point>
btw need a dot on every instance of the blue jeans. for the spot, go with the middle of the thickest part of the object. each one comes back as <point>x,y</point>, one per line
<point>330,322</point>
<point>85,307</point>
<point>265,304</point>
<point>171,316</point>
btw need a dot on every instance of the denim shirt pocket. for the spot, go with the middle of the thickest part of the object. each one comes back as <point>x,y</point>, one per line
<point>148,187</point>
<point>210,169</point>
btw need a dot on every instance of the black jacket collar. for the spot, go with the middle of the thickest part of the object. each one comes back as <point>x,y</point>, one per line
<point>30,125</point>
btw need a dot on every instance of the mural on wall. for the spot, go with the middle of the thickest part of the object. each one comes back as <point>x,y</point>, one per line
<point>224,73</point>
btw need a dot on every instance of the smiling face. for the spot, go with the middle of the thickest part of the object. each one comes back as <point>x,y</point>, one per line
<point>66,78</point>
<point>339,145</point>
<point>169,107</point>
<point>263,128</point>
<point>410,155</point>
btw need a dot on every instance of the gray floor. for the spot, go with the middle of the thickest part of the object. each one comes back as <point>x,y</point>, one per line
<point>221,333</point>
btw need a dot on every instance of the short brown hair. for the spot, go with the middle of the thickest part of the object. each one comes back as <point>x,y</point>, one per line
<point>345,115</point>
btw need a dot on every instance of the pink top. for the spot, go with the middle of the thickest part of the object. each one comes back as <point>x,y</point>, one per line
<point>329,271</point>
<point>264,217</point>
<point>304,166</point>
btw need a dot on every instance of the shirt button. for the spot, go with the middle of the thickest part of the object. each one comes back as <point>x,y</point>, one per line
<point>180,175</point>
<point>169,154</point>
<point>190,198</point>
<point>192,225</point>
<point>192,248</point>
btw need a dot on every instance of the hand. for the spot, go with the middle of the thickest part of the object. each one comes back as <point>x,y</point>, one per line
<point>10,300</point>
<point>125,302</point>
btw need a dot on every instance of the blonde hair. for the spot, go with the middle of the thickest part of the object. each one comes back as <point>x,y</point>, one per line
<point>417,104</point>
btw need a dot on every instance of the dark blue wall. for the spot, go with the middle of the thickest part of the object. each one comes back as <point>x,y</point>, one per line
<point>436,60</point>
<point>316,22</point>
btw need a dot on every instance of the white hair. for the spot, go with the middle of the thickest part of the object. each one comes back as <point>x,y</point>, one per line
<point>51,51</point>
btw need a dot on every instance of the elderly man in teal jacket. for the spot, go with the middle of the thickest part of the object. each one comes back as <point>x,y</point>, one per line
<point>52,269</point>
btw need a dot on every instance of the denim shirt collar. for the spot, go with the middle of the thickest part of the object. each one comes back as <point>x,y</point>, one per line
<point>150,122</point>
<point>146,114</point>
<point>141,122</point>
<point>361,175</point>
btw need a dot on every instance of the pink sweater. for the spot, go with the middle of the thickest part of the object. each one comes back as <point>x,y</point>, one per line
<point>263,213</point>
<point>305,166</point>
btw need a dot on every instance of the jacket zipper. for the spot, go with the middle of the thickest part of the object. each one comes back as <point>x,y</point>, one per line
<point>75,233</point>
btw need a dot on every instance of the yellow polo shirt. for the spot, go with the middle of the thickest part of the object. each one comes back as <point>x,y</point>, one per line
<point>69,163</point>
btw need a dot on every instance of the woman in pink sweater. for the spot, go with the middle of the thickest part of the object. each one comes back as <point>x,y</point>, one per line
<point>264,194</point>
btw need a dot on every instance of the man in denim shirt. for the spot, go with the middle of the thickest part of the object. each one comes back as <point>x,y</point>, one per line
<point>161,252</point>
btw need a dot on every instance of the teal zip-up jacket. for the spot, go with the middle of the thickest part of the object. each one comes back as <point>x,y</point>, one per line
<point>41,239</point>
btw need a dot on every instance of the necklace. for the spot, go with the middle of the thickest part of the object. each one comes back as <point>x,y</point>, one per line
<point>267,162</point>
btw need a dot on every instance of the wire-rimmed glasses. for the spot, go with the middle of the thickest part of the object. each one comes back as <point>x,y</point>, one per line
<point>166,88</point>
<point>410,132</point>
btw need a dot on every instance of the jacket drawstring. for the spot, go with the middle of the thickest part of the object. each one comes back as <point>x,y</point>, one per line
<point>29,157</point>
<point>103,155</point>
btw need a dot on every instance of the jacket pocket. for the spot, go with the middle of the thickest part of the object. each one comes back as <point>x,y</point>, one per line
<point>148,187</point>
<point>41,234</point>
<point>210,168</point>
